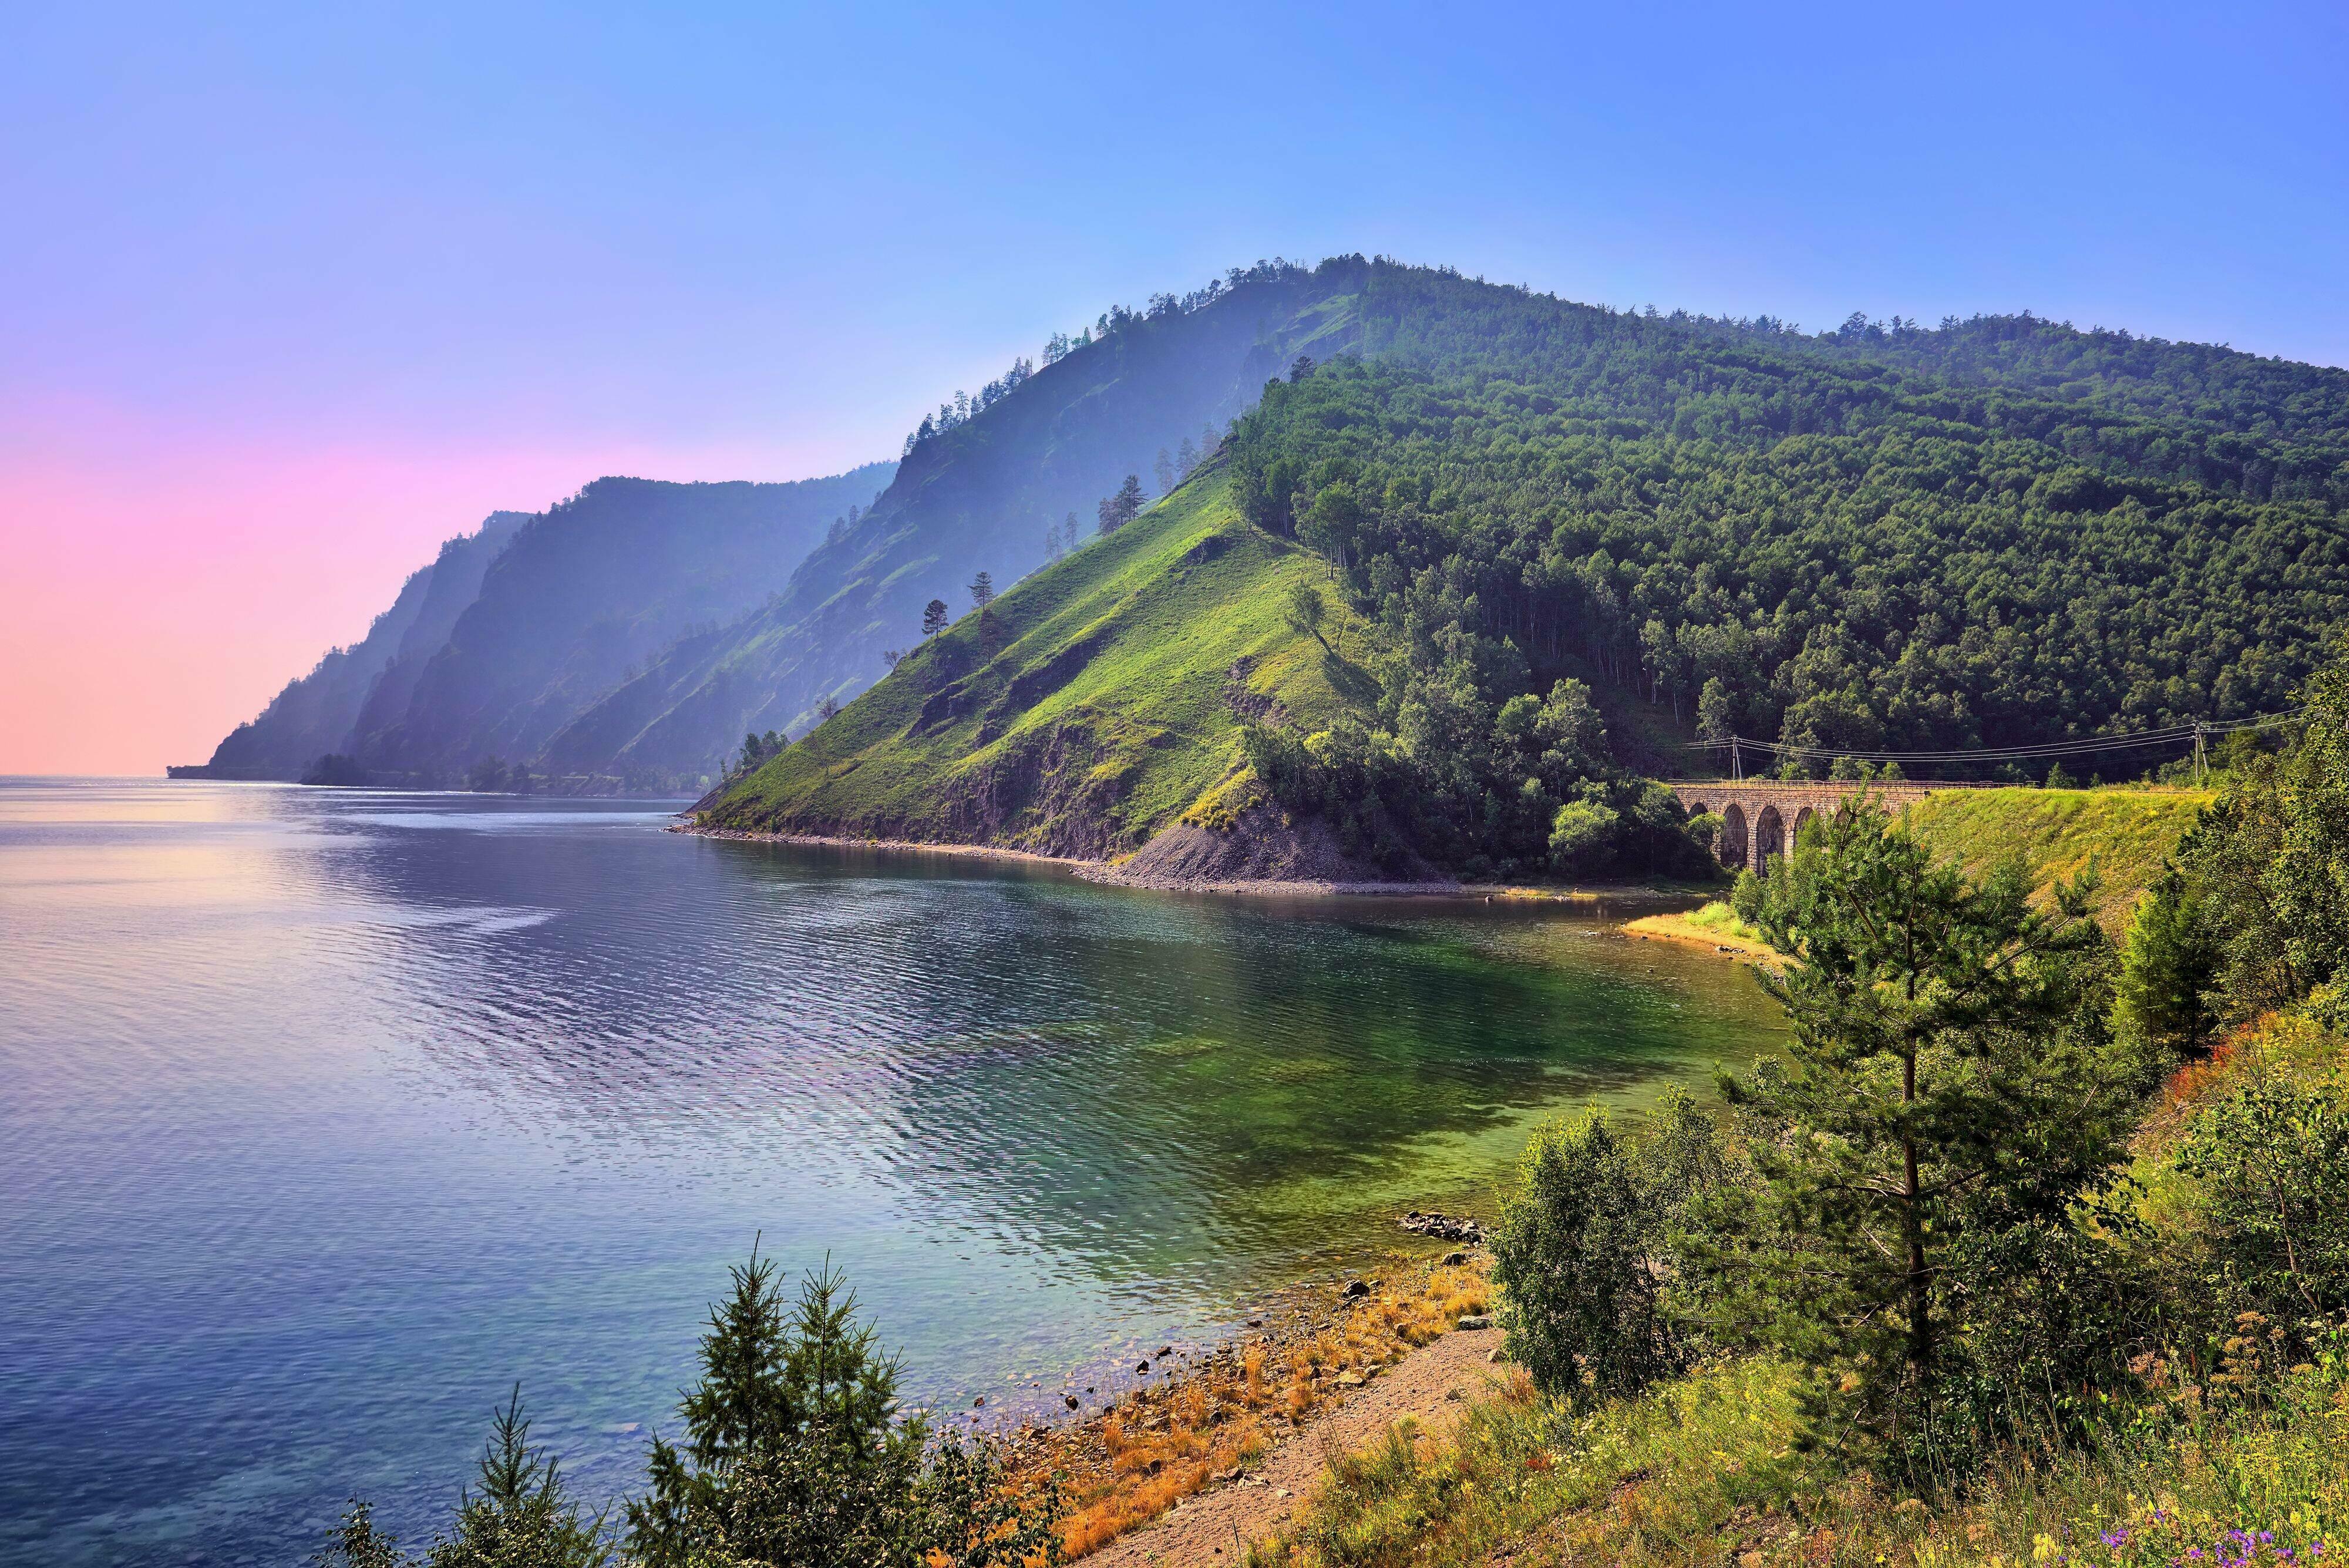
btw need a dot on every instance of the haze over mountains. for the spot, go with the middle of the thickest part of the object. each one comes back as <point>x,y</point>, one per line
<point>515,628</point>
<point>609,647</point>
<point>1884,532</point>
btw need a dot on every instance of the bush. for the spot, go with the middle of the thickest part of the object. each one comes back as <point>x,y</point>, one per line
<point>2273,1162</point>
<point>1584,1249</point>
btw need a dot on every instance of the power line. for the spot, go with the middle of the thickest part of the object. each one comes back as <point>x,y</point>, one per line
<point>2166,735</point>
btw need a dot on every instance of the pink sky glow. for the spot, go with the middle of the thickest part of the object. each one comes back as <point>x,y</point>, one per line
<point>161,587</point>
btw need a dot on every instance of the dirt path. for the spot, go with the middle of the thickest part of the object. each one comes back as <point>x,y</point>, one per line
<point>1214,1526</point>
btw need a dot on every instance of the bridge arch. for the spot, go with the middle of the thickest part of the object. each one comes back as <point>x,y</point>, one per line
<point>1804,817</point>
<point>1733,835</point>
<point>1769,838</point>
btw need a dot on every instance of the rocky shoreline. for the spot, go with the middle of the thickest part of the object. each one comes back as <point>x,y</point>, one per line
<point>1255,1409</point>
<point>1127,874</point>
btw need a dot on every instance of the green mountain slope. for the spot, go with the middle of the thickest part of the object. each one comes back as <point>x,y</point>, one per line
<point>1097,701</point>
<point>979,496</point>
<point>1547,512</point>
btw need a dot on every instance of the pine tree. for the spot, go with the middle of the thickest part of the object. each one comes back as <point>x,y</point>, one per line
<point>1131,499</point>
<point>2169,967</point>
<point>1949,1090</point>
<point>982,590</point>
<point>933,617</point>
<point>522,1514</point>
<point>358,1544</point>
<point>1163,469</point>
<point>794,1448</point>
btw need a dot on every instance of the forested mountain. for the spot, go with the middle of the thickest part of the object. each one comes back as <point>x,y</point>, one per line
<point>1996,531</point>
<point>514,630</point>
<point>317,713</point>
<point>998,484</point>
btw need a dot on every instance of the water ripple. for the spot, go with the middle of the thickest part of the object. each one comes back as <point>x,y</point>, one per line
<point>331,1113</point>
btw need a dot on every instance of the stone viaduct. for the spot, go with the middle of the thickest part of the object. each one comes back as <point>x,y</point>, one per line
<point>1760,817</point>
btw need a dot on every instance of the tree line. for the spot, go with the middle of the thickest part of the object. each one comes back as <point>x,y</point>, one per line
<point>1753,532</point>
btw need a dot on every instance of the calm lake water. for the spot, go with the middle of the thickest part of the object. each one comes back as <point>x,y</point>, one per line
<point>330,1115</point>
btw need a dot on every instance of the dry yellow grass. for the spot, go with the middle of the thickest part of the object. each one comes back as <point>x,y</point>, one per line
<point>1155,1449</point>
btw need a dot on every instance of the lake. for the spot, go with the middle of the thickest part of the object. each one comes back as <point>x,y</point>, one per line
<point>331,1115</point>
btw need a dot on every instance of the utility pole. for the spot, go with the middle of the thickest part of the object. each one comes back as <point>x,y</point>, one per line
<point>2198,764</point>
<point>1736,766</point>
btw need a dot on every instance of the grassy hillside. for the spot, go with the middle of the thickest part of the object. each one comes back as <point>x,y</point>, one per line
<point>1095,702</point>
<point>2128,833</point>
<point>975,493</point>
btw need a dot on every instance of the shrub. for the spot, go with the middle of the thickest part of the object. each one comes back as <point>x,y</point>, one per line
<point>2273,1161</point>
<point>1584,1248</point>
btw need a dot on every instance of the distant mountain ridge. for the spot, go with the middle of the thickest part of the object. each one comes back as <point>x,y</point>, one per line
<point>516,627</point>
<point>317,713</point>
<point>1599,488</point>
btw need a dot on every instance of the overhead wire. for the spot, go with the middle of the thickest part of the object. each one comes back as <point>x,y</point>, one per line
<point>2168,735</point>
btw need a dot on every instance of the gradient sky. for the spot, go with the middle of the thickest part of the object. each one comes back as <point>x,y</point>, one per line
<point>290,294</point>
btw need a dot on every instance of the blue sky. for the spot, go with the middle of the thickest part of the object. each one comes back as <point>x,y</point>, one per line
<point>295,293</point>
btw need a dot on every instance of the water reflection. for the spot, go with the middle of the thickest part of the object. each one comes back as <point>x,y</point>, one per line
<point>393,1098</point>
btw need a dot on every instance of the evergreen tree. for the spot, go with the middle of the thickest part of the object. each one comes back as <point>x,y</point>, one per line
<point>1186,458</point>
<point>2169,967</point>
<point>982,590</point>
<point>522,1517</point>
<point>1129,498</point>
<point>355,1543</point>
<point>1163,471</point>
<point>933,617</point>
<point>793,1452</point>
<point>1949,1090</point>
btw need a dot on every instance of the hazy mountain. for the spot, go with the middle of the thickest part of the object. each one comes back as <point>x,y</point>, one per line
<point>514,630</point>
<point>317,712</point>
<point>979,495</point>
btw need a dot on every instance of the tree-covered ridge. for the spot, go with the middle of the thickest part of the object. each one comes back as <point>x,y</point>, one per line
<point>2228,421</point>
<point>1774,540</point>
<point>2028,355</point>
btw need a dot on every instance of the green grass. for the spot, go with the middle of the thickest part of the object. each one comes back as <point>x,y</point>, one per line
<point>1704,1470</point>
<point>2126,832</point>
<point>1100,708</point>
